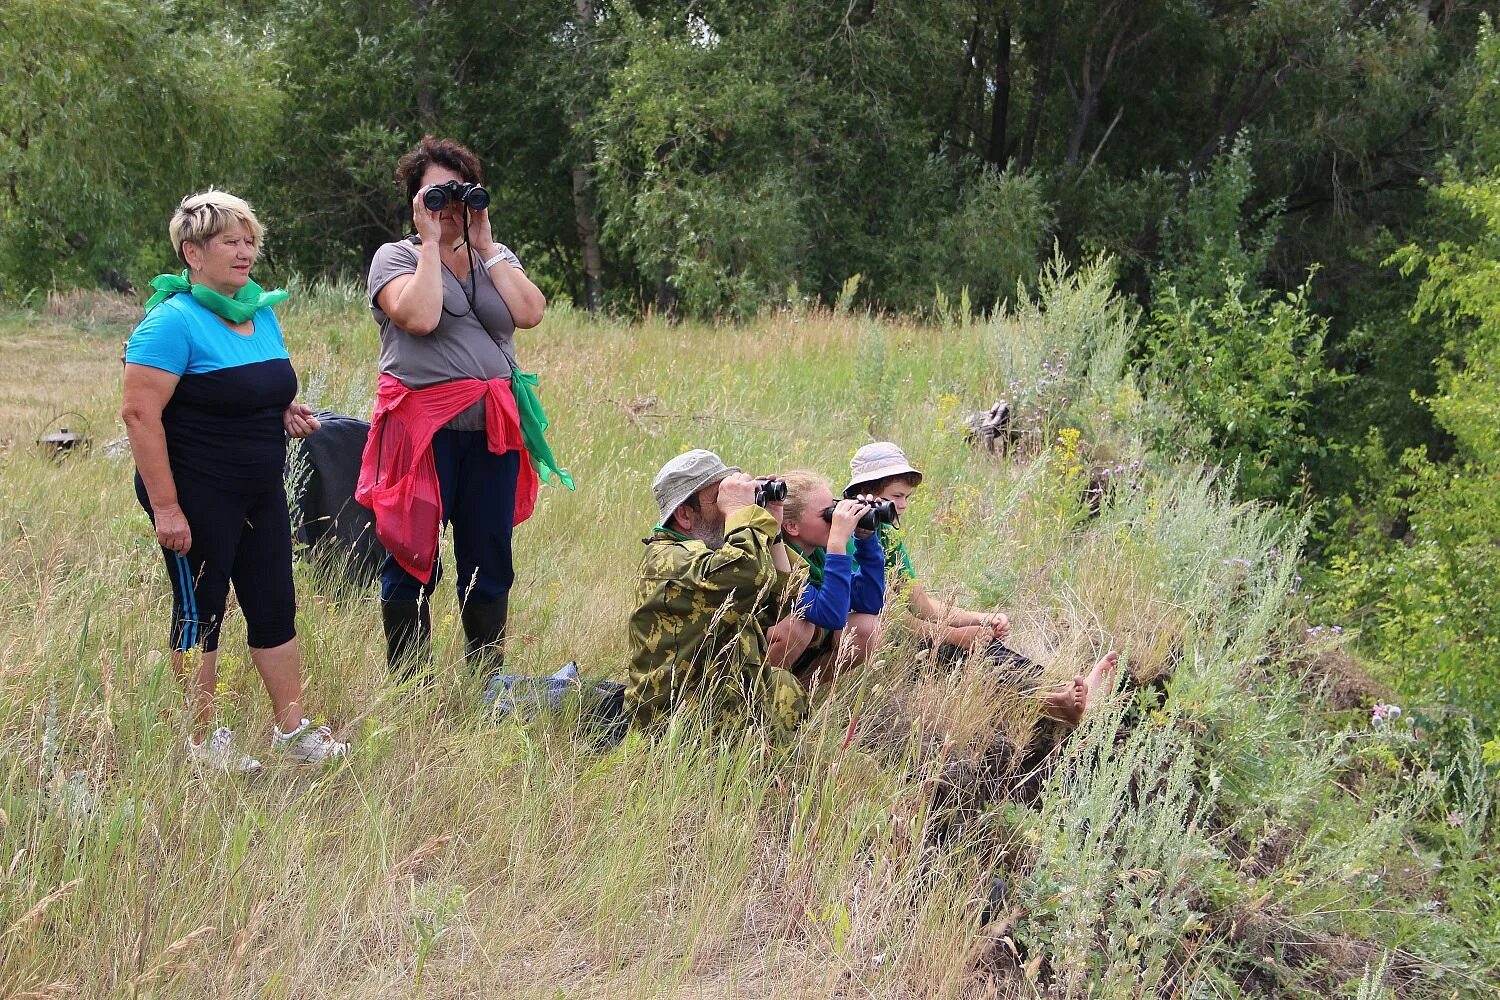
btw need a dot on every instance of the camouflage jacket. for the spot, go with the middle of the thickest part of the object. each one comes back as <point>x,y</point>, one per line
<point>698,633</point>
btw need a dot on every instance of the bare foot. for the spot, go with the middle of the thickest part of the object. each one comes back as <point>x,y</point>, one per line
<point>1102,677</point>
<point>1067,703</point>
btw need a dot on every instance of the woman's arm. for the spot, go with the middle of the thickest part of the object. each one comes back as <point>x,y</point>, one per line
<point>827,606</point>
<point>147,392</point>
<point>414,302</point>
<point>524,300</point>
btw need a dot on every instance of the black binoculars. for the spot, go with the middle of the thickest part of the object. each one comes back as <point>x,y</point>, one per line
<point>437,197</point>
<point>770,491</point>
<point>877,513</point>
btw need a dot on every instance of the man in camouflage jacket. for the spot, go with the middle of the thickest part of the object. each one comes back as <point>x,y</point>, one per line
<point>713,578</point>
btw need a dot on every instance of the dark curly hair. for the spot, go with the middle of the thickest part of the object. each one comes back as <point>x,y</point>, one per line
<point>443,152</point>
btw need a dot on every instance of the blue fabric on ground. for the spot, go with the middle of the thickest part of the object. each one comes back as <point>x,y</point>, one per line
<point>524,697</point>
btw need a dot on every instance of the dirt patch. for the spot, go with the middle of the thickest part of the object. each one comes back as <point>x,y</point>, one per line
<point>55,376</point>
<point>1338,674</point>
<point>92,307</point>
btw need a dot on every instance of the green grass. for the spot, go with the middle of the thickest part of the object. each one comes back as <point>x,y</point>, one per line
<point>1220,830</point>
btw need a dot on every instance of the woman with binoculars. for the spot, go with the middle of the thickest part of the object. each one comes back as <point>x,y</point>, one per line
<point>456,429</point>
<point>840,604</point>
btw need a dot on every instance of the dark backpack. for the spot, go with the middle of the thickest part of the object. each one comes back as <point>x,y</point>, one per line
<point>339,534</point>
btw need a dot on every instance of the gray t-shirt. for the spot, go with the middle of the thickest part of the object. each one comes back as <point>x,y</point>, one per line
<point>467,343</point>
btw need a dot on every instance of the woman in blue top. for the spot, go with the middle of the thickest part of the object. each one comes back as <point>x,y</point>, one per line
<point>836,620</point>
<point>208,403</point>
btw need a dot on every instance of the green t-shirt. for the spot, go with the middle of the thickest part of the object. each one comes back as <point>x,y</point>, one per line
<point>896,556</point>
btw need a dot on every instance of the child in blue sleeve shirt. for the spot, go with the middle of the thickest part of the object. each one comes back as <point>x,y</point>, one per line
<point>834,623</point>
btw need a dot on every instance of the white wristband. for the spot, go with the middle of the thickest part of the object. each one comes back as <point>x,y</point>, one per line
<point>504,254</point>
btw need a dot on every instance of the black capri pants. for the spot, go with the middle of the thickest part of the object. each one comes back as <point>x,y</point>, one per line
<point>244,538</point>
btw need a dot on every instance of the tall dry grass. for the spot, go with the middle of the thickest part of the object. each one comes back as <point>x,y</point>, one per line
<point>452,856</point>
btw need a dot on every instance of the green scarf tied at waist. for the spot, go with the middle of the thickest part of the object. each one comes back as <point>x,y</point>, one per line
<point>534,426</point>
<point>240,309</point>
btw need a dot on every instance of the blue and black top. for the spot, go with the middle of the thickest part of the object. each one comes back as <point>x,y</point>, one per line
<point>224,421</point>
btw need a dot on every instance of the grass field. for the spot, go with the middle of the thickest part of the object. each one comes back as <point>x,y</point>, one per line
<point>1223,827</point>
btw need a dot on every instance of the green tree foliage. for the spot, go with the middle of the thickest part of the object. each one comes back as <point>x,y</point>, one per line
<point>1240,370</point>
<point>988,244</point>
<point>707,157</point>
<point>1429,597</point>
<point>692,163</point>
<point>110,112</point>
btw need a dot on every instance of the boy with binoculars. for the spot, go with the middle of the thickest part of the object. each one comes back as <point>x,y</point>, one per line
<point>881,472</point>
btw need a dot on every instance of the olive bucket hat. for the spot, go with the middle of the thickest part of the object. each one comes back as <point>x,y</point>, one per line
<point>880,460</point>
<point>684,476</point>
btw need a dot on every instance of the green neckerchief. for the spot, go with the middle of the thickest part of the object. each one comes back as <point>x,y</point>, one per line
<point>663,529</point>
<point>534,426</point>
<point>240,309</point>
<point>814,558</point>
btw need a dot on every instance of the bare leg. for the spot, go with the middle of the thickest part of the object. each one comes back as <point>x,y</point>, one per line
<point>851,646</point>
<point>280,668</point>
<point>861,638</point>
<point>1102,677</point>
<point>786,641</point>
<point>199,687</point>
<point>1068,702</point>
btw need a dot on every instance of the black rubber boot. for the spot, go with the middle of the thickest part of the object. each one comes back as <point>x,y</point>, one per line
<point>408,634</point>
<point>484,633</point>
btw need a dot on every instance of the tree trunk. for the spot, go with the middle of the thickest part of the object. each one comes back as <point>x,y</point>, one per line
<point>1039,88</point>
<point>1000,110</point>
<point>1122,17</point>
<point>970,138</point>
<point>583,203</point>
<point>970,49</point>
<point>588,240</point>
<point>1083,115</point>
<point>427,103</point>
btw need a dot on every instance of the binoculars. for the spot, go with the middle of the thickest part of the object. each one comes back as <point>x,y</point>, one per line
<point>770,491</point>
<point>877,513</point>
<point>437,197</point>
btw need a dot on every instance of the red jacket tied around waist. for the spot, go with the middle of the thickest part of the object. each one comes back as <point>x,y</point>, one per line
<point>398,478</point>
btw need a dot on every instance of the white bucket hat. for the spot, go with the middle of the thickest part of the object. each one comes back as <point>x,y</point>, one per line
<point>880,460</point>
<point>684,476</point>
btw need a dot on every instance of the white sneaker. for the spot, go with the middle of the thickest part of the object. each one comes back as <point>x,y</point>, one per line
<point>308,743</point>
<point>218,752</point>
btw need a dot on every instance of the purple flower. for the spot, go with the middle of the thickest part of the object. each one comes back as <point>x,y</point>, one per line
<point>1383,713</point>
<point>1455,818</point>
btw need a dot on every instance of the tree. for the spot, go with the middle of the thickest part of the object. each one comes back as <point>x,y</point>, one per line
<point>110,112</point>
<point>1429,598</point>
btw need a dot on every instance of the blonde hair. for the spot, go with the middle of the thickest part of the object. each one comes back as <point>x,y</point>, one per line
<point>800,483</point>
<point>202,216</point>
